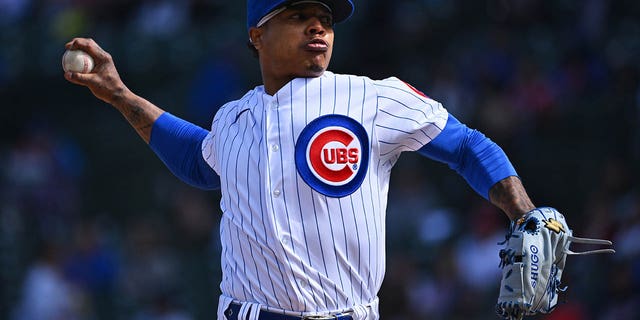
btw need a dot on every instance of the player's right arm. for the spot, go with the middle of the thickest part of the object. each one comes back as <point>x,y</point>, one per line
<point>176,142</point>
<point>105,83</point>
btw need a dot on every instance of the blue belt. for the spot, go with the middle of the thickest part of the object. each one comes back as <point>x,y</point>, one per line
<point>234,310</point>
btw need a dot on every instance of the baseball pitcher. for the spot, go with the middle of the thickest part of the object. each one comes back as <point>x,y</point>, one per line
<point>303,163</point>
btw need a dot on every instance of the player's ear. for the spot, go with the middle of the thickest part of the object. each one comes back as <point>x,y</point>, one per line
<point>255,37</point>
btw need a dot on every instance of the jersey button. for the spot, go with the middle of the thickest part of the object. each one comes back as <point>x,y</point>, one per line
<point>276,193</point>
<point>302,283</point>
<point>275,148</point>
<point>274,105</point>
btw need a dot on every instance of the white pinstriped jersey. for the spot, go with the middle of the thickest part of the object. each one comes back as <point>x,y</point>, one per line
<point>304,179</point>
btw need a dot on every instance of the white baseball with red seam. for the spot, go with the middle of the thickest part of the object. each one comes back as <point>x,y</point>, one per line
<point>77,61</point>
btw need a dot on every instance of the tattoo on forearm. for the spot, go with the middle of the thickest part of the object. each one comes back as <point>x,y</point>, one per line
<point>141,120</point>
<point>141,115</point>
<point>510,196</point>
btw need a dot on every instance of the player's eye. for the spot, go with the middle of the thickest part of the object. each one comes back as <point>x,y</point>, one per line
<point>326,20</point>
<point>298,16</point>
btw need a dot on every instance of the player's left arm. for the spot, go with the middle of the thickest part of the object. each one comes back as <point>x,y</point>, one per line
<point>483,164</point>
<point>510,195</point>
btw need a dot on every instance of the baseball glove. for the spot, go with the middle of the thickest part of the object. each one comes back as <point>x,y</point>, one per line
<point>532,261</point>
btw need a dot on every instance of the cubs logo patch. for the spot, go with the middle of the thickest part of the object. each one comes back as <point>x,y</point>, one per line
<point>332,153</point>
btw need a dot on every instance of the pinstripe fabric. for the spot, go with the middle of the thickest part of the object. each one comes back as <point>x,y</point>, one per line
<point>285,245</point>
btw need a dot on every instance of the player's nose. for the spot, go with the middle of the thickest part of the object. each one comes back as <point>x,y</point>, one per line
<point>315,26</point>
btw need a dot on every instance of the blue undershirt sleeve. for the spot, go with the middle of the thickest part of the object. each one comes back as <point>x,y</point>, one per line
<point>178,144</point>
<point>471,154</point>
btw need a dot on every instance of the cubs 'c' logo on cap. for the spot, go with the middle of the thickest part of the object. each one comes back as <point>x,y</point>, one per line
<point>332,155</point>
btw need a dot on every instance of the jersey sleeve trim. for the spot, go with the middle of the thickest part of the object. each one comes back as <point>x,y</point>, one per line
<point>407,119</point>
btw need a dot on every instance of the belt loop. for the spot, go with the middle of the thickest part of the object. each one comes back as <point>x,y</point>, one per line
<point>249,311</point>
<point>366,311</point>
<point>244,311</point>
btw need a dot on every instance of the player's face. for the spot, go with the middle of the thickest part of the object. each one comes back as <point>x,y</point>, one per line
<point>295,43</point>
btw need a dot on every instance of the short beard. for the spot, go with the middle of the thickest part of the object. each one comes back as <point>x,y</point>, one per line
<point>316,68</point>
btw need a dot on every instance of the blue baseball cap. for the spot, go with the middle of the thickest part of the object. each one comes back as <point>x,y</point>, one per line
<point>257,9</point>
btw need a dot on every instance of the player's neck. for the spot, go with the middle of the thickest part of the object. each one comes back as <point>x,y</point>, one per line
<point>273,83</point>
<point>271,86</point>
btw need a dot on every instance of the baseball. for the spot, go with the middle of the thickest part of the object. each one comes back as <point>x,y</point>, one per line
<point>77,61</point>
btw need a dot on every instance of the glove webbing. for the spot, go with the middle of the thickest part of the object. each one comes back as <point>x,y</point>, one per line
<point>573,239</point>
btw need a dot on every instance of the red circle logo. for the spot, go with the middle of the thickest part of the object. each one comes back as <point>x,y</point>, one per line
<point>334,155</point>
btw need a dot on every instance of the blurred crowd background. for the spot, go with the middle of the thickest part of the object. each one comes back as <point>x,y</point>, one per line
<point>92,226</point>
